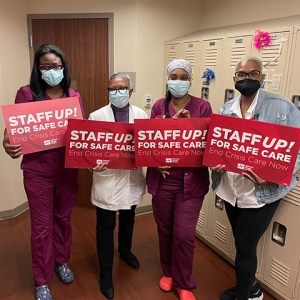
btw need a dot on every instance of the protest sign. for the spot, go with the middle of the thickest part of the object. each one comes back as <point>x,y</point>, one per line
<point>269,150</point>
<point>40,125</point>
<point>90,142</point>
<point>170,142</point>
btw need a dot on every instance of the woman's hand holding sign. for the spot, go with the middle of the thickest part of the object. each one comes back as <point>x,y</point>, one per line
<point>182,113</point>
<point>254,178</point>
<point>250,175</point>
<point>218,169</point>
<point>14,151</point>
<point>100,168</point>
<point>163,171</point>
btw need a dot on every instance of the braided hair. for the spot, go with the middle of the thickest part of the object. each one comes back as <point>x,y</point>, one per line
<point>166,103</point>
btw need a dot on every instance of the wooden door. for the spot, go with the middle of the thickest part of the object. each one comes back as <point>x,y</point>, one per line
<point>85,43</point>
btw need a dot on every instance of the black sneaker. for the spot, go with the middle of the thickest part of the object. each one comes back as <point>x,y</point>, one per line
<point>257,293</point>
<point>230,294</point>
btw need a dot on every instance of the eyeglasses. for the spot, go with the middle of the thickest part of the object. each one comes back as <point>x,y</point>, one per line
<point>252,75</point>
<point>53,67</point>
<point>121,90</point>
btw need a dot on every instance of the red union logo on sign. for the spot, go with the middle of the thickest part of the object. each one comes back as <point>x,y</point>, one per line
<point>243,167</point>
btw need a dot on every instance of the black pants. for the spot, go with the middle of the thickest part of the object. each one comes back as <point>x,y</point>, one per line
<point>248,225</point>
<point>106,223</point>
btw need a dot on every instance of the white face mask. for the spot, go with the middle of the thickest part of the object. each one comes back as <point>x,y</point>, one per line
<point>119,100</point>
<point>178,88</point>
<point>53,77</point>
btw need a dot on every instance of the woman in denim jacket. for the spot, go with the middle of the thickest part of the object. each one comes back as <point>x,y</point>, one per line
<point>250,201</point>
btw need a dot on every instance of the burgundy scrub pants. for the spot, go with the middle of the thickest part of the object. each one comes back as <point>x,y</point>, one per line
<point>176,220</point>
<point>51,201</point>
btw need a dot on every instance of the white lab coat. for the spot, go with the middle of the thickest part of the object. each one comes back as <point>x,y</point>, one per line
<point>114,189</point>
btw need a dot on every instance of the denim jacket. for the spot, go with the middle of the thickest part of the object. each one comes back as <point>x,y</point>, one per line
<point>275,109</point>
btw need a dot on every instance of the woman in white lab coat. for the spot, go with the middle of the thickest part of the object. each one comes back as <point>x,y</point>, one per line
<point>116,190</point>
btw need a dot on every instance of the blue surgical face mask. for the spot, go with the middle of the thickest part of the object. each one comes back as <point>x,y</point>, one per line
<point>119,100</point>
<point>178,88</point>
<point>52,77</point>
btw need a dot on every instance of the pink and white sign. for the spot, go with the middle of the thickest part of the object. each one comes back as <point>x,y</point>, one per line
<point>40,125</point>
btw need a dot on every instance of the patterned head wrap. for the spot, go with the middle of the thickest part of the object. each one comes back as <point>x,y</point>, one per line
<point>179,64</point>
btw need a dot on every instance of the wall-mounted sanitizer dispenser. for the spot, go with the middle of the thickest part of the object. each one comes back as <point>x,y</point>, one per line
<point>279,233</point>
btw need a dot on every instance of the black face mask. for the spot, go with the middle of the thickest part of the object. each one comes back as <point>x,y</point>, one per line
<point>247,87</point>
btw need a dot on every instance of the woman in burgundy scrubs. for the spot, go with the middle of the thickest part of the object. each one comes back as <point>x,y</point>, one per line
<point>51,189</point>
<point>178,192</point>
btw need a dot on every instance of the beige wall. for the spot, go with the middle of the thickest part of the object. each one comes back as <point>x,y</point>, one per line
<point>14,72</point>
<point>219,13</point>
<point>140,29</point>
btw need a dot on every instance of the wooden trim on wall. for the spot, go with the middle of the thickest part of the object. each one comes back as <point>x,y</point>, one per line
<point>11,213</point>
<point>143,210</point>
